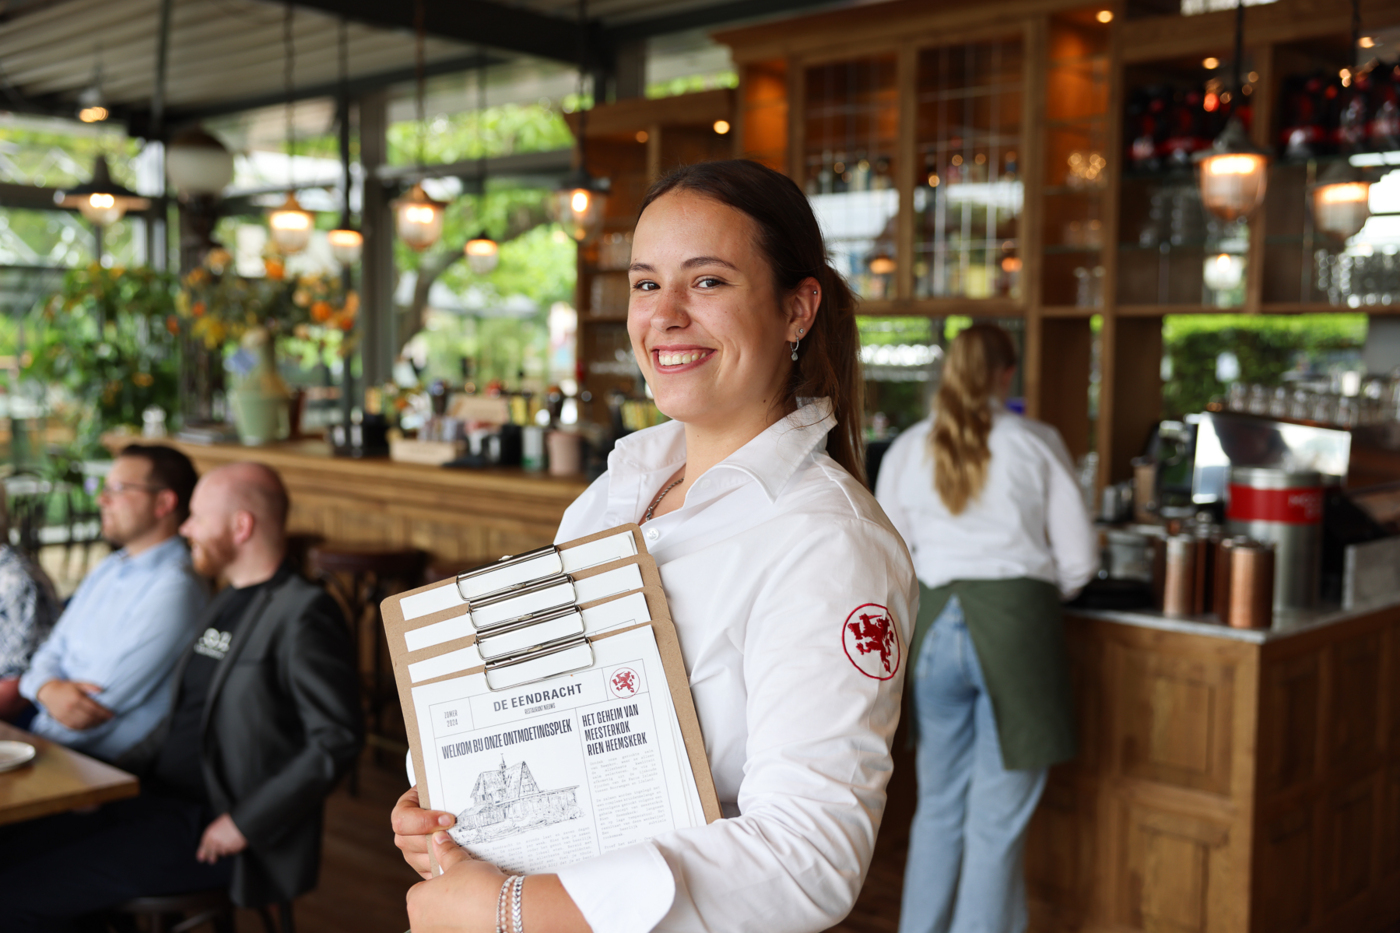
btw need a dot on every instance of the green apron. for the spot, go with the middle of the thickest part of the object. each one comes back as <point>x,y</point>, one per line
<point>1018,632</point>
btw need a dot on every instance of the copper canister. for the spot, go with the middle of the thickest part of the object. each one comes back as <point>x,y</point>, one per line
<point>1220,598</point>
<point>1251,585</point>
<point>1179,588</point>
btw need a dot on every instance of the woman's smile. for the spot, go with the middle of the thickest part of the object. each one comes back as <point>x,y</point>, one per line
<point>669,360</point>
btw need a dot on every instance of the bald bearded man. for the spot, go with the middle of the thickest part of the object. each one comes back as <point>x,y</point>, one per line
<point>265,720</point>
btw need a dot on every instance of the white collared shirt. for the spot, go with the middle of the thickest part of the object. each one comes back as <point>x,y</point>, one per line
<point>778,569</point>
<point>1029,520</point>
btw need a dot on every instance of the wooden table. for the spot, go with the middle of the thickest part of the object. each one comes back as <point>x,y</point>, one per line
<point>58,779</point>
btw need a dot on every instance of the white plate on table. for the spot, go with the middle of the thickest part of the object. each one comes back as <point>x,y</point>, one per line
<point>14,754</point>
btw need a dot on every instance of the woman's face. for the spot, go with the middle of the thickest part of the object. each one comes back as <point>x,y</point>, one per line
<point>707,327</point>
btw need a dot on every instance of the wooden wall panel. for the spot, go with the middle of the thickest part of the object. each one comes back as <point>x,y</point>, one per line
<point>1288,728</point>
<point>1060,850</point>
<point>1349,823</point>
<point>1178,873</point>
<point>1355,701</point>
<point>1283,892</point>
<point>1388,828</point>
<point>1175,722</point>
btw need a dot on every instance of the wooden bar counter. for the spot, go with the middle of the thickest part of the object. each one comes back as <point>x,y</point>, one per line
<point>1227,780</point>
<point>458,516</point>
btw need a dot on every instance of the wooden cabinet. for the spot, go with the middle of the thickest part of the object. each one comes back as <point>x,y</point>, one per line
<point>1225,784</point>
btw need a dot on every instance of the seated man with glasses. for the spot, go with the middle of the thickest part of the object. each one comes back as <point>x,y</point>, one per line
<point>103,678</point>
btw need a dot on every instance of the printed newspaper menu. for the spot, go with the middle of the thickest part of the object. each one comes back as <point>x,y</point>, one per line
<point>547,704</point>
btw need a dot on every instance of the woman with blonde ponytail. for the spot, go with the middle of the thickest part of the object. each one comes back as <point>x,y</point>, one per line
<point>988,504</point>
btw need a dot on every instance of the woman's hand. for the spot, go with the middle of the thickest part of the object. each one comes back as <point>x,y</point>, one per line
<point>413,826</point>
<point>463,898</point>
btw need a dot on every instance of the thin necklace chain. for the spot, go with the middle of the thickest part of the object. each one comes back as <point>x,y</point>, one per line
<point>661,495</point>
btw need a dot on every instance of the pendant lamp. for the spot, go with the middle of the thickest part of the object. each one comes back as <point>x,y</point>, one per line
<point>198,164</point>
<point>347,244</point>
<point>102,201</point>
<point>482,252</point>
<point>1341,200</point>
<point>290,224</point>
<point>1233,171</point>
<point>417,217</point>
<point>578,204</point>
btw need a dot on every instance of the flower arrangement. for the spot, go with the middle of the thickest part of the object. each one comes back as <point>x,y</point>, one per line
<point>224,306</point>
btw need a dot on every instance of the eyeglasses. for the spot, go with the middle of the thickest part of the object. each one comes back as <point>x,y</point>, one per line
<point>114,488</point>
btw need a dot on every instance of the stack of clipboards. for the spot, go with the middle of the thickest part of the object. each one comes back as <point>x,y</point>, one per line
<point>548,706</point>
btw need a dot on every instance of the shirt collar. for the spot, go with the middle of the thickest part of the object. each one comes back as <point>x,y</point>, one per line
<point>170,549</point>
<point>770,458</point>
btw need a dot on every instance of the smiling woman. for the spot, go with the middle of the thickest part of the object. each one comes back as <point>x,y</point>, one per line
<point>780,571</point>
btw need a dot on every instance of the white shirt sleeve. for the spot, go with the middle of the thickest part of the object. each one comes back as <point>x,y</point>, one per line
<point>1073,540</point>
<point>817,758</point>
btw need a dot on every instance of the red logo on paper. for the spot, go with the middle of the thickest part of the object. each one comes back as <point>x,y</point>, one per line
<point>624,682</point>
<point>871,642</point>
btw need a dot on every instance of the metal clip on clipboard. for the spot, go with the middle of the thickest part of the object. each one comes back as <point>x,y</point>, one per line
<point>471,595</point>
<point>536,653</point>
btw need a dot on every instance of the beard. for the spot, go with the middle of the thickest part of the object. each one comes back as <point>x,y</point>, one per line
<point>211,556</point>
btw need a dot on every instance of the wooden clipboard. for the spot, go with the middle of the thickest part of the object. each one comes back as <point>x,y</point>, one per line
<point>400,631</point>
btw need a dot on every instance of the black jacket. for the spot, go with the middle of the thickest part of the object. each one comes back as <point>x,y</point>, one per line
<point>281,724</point>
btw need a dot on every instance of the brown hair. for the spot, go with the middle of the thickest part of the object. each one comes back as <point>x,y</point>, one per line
<point>963,413</point>
<point>828,362</point>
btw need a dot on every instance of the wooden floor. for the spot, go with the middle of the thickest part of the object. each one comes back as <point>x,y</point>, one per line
<point>363,879</point>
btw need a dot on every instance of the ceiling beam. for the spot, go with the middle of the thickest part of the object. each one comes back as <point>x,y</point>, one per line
<point>699,18</point>
<point>479,22</point>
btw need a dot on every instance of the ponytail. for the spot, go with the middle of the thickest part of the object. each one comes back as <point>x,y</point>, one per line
<point>963,413</point>
<point>828,361</point>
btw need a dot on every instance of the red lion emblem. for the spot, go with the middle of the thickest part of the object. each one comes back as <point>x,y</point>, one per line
<point>871,642</point>
<point>624,682</point>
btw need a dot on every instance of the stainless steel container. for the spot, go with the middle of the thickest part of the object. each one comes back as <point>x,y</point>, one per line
<point>1127,555</point>
<point>1179,589</point>
<point>1252,576</point>
<point>1284,509</point>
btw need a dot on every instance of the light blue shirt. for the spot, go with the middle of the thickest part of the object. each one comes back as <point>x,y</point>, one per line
<point>124,629</point>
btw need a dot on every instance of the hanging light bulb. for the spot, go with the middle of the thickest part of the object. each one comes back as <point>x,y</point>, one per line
<point>1232,173</point>
<point>1341,201</point>
<point>291,225</point>
<point>197,163</point>
<point>1233,170</point>
<point>1223,272</point>
<point>347,245</point>
<point>578,205</point>
<point>418,218</point>
<point>483,253</point>
<point>102,201</point>
<point>882,263</point>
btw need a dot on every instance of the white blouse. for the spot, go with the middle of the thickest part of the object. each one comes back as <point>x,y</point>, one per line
<point>1029,521</point>
<point>794,597</point>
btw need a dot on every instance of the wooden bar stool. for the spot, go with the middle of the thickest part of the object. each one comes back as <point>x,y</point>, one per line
<point>360,577</point>
<point>178,913</point>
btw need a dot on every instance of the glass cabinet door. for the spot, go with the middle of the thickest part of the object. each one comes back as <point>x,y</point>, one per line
<point>968,196</point>
<point>851,115</point>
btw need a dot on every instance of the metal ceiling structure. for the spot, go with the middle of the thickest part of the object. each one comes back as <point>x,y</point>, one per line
<point>225,56</point>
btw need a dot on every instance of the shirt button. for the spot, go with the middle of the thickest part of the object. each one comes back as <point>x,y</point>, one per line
<point>653,534</point>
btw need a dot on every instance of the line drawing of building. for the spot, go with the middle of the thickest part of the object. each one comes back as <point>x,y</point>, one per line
<point>507,801</point>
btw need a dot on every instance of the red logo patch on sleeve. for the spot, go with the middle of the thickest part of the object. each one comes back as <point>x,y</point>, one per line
<point>871,641</point>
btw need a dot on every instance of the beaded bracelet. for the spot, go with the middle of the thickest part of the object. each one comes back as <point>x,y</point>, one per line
<point>517,893</point>
<point>501,905</point>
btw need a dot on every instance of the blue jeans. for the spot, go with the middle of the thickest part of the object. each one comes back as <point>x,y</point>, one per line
<point>965,872</point>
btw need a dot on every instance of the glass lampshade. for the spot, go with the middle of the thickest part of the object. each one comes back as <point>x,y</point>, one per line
<point>418,218</point>
<point>882,263</point>
<point>578,205</point>
<point>346,245</point>
<point>1233,173</point>
<point>1223,272</point>
<point>1341,201</point>
<point>483,253</point>
<point>197,163</point>
<point>291,225</point>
